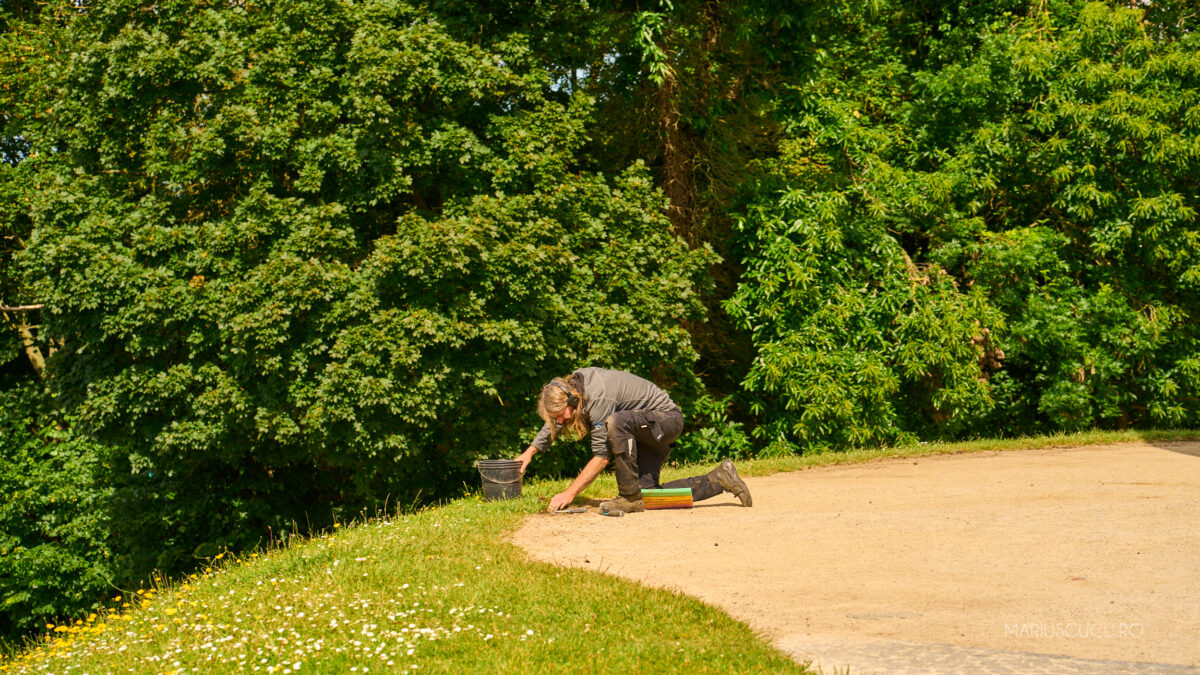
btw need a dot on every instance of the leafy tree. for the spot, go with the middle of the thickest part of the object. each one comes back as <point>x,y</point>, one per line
<point>989,231</point>
<point>309,257</point>
<point>1095,259</point>
<point>20,44</point>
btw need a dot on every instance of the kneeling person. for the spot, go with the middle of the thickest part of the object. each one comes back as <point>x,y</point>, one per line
<point>632,424</point>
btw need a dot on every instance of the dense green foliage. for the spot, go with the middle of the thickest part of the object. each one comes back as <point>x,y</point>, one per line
<point>999,238</point>
<point>299,259</point>
<point>318,256</point>
<point>317,250</point>
<point>54,554</point>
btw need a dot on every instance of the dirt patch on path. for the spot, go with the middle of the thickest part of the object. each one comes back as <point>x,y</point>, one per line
<point>1089,553</point>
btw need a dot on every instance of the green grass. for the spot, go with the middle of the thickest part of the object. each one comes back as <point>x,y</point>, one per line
<point>439,590</point>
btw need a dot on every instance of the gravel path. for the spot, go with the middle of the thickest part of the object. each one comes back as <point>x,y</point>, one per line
<point>1065,560</point>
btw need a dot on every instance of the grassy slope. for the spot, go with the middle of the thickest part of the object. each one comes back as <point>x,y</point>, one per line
<point>437,591</point>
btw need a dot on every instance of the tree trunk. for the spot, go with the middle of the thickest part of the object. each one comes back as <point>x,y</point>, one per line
<point>29,343</point>
<point>679,180</point>
<point>31,349</point>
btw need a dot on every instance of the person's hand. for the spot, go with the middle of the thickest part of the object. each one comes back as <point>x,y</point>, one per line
<point>560,501</point>
<point>526,457</point>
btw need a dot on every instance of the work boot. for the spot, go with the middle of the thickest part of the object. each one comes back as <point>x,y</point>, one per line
<point>727,477</point>
<point>622,504</point>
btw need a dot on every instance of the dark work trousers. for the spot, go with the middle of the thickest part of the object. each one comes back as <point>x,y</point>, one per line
<point>640,442</point>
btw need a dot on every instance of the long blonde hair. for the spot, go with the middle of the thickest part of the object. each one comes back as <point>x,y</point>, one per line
<point>553,400</point>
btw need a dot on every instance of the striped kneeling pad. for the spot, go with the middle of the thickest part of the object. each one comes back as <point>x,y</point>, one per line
<point>675,498</point>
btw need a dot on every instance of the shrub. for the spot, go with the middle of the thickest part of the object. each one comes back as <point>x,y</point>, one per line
<point>54,555</point>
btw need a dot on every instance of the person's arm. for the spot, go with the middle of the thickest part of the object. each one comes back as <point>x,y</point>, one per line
<point>593,468</point>
<point>527,456</point>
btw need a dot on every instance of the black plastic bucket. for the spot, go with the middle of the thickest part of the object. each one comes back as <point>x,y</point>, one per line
<point>501,478</point>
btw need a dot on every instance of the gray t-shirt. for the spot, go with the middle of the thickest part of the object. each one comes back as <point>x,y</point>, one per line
<point>606,392</point>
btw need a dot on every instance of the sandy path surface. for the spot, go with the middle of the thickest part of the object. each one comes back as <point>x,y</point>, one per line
<point>930,564</point>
